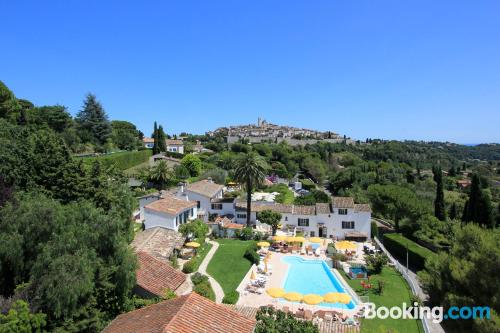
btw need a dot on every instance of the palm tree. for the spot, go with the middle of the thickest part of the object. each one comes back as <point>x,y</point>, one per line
<point>250,171</point>
<point>160,174</point>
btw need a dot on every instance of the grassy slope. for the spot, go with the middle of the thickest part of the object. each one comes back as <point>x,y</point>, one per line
<point>396,292</point>
<point>228,266</point>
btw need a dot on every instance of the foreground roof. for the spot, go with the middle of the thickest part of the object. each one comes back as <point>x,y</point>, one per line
<point>157,276</point>
<point>362,208</point>
<point>343,202</point>
<point>170,205</point>
<point>186,314</point>
<point>158,242</point>
<point>205,187</point>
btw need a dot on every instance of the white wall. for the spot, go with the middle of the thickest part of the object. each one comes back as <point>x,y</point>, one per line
<point>175,149</point>
<point>227,208</point>
<point>146,201</point>
<point>156,219</point>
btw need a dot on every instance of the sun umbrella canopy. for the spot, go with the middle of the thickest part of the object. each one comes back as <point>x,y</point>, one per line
<point>345,245</point>
<point>263,244</point>
<point>344,299</point>
<point>293,297</point>
<point>276,292</point>
<point>300,239</point>
<point>279,238</point>
<point>315,240</point>
<point>193,244</point>
<point>312,299</point>
<point>332,297</point>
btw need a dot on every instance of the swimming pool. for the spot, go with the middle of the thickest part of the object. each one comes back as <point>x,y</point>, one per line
<point>313,277</point>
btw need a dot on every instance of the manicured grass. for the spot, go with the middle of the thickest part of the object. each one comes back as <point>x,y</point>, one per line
<point>228,266</point>
<point>396,292</point>
<point>201,253</point>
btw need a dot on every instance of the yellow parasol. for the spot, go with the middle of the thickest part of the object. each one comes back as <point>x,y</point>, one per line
<point>345,245</point>
<point>312,299</point>
<point>344,298</point>
<point>193,244</point>
<point>263,244</point>
<point>290,239</point>
<point>276,292</point>
<point>279,238</point>
<point>332,297</point>
<point>300,239</point>
<point>315,240</point>
<point>293,297</point>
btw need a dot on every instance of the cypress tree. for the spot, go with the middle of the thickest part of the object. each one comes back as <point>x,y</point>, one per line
<point>439,206</point>
<point>162,145</point>
<point>453,211</point>
<point>156,149</point>
<point>474,194</point>
<point>479,206</point>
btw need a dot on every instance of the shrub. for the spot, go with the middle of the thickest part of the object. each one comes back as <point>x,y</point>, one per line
<point>252,256</point>
<point>173,261</point>
<point>169,294</point>
<point>375,263</point>
<point>198,278</point>
<point>396,244</point>
<point>231,297</point>
<point>307,184</point>
<point>245,233</point>
<point>189,266</point>
<point>374,230</point>
<point>205,289</point>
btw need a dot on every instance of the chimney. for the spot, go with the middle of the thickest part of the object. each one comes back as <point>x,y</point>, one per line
<point>209,179</point>
<point>182,185</point>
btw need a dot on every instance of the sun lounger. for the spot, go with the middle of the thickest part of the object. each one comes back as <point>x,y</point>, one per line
<point>308,315</point>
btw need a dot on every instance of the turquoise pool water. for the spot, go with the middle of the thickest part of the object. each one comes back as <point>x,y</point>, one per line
<point>313,277</point>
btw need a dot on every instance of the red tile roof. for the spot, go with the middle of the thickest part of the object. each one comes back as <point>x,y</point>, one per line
<point>205,187</point>
<point>157,276</point>
<point>148,140</point>
<point>362,208</point>
<point>186,314</point>
<point>343,202</point>
<point>170,205</point>
<point>173,142</point>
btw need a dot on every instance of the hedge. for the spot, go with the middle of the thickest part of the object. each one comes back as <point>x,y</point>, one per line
<point>396,245</point>
<point>231,297</point>
<point>122,160</point>
<point>205,289</point>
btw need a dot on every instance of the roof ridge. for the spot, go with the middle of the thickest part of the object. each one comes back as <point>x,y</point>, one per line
<point>188,296</point>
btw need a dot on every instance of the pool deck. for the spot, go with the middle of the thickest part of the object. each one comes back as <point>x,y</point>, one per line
<point>276,280</point>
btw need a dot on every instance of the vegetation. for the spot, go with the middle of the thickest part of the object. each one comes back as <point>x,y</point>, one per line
<point>398,245</point>
<point>277,321</point>
<point>192,164</point>
<point>196,228</point>
<point>194,263</point>
<point>250,171</point>
<point>231,297</point>
<point>228,265</point>
<point>121,160</point>
<point>202,286</point>
<point>467,275</point>
<point>395,292</point>
<point>375,263</point>
<point>270,218</point>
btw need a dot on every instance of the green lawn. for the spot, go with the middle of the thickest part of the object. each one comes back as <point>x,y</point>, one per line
<point>396,291</point>
<point>201,253</point>
<point>228,266</point>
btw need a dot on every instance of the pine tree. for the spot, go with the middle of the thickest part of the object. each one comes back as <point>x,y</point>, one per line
<point>439,205</point>
<point>162,144</point>
<point>156,148</point>
<point>93,121</point>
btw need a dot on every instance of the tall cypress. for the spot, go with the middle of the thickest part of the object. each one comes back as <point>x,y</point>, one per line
<point>439,206</point>
<point>162,144</point>
<point>453,211</point>
<point>479,207</point>
<point>156,148</point>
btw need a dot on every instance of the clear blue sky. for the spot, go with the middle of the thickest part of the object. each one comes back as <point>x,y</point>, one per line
<point>388,69</point>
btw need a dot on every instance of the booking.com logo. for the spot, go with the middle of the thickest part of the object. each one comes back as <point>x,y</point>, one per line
<point>437,313</point>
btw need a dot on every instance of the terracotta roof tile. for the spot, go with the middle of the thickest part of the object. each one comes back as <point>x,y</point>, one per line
<point>174,142</point>
<point>186,314</point>
<point>304,210</point>
<point>170,205</point>
<point>323,208</point>
<point>343,202</point>
<point>362,208</point>
<point>156,276</point>
<point>148,140</point>
<point>205,187</point>
<point>158,242</point>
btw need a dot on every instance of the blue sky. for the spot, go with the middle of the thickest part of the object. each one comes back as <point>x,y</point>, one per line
<point>425,70</point>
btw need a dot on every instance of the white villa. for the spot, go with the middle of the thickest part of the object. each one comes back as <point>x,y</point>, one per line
<point>341,219</point>
<point>174,146</point>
